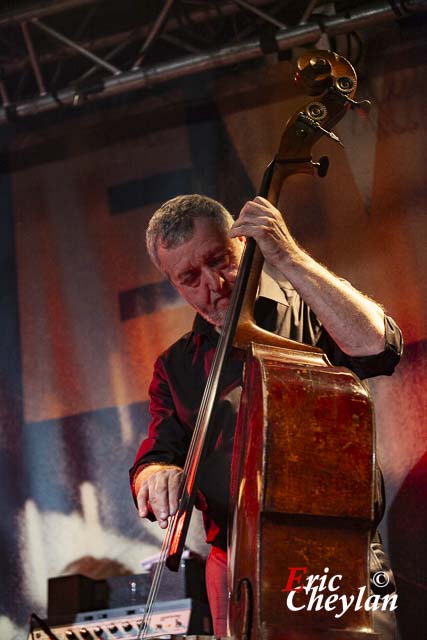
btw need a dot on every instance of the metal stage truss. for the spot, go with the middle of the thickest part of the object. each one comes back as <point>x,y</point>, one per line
<point>56,53</point>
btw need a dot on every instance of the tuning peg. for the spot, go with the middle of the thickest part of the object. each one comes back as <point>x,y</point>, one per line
<point>361,107</point>
<point>322,166</point>
<point>345,85</point>
<point>312,117</point>
<point>333,136</point>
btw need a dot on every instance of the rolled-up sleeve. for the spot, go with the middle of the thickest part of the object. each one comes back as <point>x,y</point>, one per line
<point>379,364</point>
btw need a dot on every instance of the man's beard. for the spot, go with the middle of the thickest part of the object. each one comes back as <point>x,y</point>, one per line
<point>216,316</point>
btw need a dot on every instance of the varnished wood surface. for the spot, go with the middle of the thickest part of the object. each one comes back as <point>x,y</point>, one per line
<point>302,493</point>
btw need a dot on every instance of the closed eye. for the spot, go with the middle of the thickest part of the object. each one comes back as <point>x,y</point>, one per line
<point>218,261</point>
<point>190,279</point>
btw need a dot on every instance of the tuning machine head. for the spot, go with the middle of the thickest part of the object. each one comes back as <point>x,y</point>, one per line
<point>345,85</point>
<point>322,166</point>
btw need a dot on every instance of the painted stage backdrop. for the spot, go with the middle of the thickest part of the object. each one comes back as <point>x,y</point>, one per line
<point>84,313</point>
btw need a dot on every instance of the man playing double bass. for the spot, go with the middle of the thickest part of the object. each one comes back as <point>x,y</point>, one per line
<point>196,243</point>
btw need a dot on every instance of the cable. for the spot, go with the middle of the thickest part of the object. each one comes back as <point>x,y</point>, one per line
<point>43,625</point>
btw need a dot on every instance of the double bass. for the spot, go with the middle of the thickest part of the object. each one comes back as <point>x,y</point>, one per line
<point>303,463</point>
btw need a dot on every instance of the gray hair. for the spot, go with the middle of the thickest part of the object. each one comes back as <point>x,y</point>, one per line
<point>173,223</point>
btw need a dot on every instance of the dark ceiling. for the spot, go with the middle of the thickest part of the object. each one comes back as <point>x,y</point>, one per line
<point>53,53</point>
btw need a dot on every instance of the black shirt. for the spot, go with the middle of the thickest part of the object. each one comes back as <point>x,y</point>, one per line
<point>179,379</point>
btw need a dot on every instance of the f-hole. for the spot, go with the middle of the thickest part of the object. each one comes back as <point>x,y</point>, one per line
<point>246,605</point>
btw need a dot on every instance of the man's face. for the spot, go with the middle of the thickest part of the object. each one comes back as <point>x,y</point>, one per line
<point>204,269</point>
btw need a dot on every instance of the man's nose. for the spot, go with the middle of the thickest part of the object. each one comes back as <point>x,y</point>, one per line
<point>214,280</point>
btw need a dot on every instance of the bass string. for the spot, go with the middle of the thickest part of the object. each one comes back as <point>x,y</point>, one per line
<point>154,589</point>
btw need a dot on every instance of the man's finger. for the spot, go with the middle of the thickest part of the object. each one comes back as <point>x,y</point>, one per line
<point>142,500</point>
<point>175,480</point>
<point>159,498</point>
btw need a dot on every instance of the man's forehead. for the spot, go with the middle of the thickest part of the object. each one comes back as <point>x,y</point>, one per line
<point>210,225</point>
<point>206,240</point>
<point>188,254</point>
